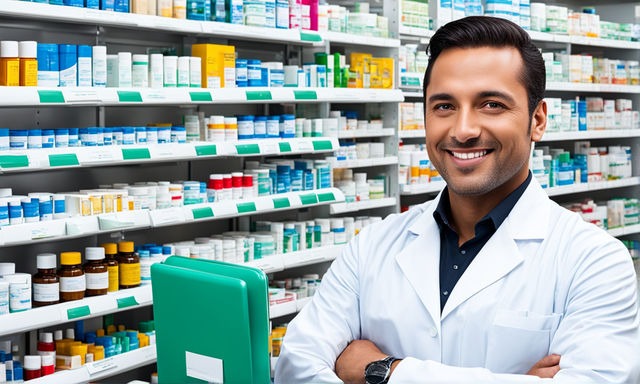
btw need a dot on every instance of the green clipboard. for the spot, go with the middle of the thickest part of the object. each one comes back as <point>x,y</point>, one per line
<point>205,302</point>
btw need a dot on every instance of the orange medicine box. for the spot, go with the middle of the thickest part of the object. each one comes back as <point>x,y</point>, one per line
<point>218,63</point>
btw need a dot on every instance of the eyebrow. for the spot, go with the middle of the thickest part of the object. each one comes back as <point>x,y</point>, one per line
<point>481,95</point>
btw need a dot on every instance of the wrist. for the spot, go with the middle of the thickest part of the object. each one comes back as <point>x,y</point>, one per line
<point>393,366</point>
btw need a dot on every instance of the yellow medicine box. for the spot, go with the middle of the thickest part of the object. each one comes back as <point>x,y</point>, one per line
<point>218,63</point>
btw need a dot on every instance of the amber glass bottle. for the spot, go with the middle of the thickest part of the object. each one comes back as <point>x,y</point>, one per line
<point>46,285</point>
<point>111,259</point>
<point>95,271</point>
<point>128,265</point>
<point>72,280</point>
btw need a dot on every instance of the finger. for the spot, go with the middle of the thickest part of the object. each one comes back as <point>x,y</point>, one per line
<point>548,361</point>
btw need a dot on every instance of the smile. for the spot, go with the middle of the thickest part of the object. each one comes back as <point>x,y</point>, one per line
<point>469,155</point>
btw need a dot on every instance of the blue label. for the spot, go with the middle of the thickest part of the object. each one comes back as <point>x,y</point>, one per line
<point>59,206</point>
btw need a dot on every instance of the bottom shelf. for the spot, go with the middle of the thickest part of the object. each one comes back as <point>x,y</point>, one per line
<point>103,368</point>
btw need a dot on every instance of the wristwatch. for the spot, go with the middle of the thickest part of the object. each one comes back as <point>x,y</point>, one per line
<point>378,372</point>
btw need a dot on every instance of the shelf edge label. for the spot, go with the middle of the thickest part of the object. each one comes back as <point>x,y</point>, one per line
<point>202,213</point>
<point>135,153</point>
<point>206,150</point>
<point>281,202</point>
<point>327,196</point>
<point>50,96</point>
<point>309,198</point>
<point>322,145</point>
<point>74,313</point>
<point>129,97</point>
<point>125,302</point>
<point>284,146</point>
<point>305,95</point>
<point>258,95</point>
<point>248,149</point>
<point>14,161</point>
<point>246,207</point>
<point>200,96</point>
<point>63,160</point>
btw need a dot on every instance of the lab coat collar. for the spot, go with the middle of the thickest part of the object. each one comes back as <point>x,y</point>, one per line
<point>420,259</point>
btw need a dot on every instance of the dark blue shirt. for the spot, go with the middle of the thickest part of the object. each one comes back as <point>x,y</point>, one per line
<point>455,259</point>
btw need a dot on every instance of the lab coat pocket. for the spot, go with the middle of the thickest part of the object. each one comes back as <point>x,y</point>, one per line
<point>518,339</point>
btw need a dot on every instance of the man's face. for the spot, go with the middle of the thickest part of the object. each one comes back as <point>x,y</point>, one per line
<point>478,130</point>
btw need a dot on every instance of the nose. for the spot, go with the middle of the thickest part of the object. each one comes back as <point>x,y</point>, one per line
<point>465,127</point>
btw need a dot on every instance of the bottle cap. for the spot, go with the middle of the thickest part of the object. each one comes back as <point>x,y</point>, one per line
<point>32,362</point>
<point>94,253</point>
<point>125,246</point>
<point>7,269</point>
<point>9,48</point>
<point>28,49</point>
<point>110,248</point>
<point>70,258</point>
<point>46,261</point>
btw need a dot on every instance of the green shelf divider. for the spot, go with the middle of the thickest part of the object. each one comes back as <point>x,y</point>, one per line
<point>322,145</point>
<point>307,199</point>
<point>326,196</point>
<point>248,149</point>
<point>281,202</point>
<point>206,150</point>
<point>50,97</point>
<point>202,213</point>
<point>129,97</point>
<point>135,153</point>
<point>74,313</point>
<point>14,161</point>
<point>258,95</point>
<point>311,37</point>
<point>246,207</point>
<point>305,95</point>
<point>63,160</point>
<point>125,302</point>
<point>200,96</point>
<point>285,147</point>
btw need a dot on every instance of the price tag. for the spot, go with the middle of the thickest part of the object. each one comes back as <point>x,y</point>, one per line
<point>98,155</point>
<point>304,146</point>
<point>269,147</point>
<point>101,365</point>
<point>81,95</point>
<point>155,95</point>
<point>161,217</point>
<point>45,230</point>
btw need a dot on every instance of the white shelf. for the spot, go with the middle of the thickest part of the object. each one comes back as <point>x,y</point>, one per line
<point>420,189</point>
<point>589,87</point>
<point>411,93</point>
<point>56,158</point>
<point>586,135</point>
<point>75,310</point>
<point>422,34</point>
<point>361,163</point>
<point>362,205</point>
<point>583,40</point>
<point>351,39</point>
<point>411,133</point>
<point>103,368</point>
<point>354,134</point>
<point>622,231</point>
<point>594,186</point>
<point>288,308</point>
<point>284,261</point>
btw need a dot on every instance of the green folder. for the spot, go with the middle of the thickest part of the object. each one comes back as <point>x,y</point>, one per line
<point>209,313</point>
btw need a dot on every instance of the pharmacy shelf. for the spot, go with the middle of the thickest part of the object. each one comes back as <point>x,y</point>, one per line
<point>355,134</point>
<point>623,231</point>
<point>288,308</point>
<point>583,40</point>
<point>351,39</point>
<point>362,163</point>
<point>13,161</point>
<point>587,135</point>
<point>589,87</point>
<point>83,226</point>
<point>412,134</point>
<point>102,368</point>
<point>338,208</point>
<point>90,96</point>
<point>593,186</point>
<point>76,310</point>
<point>412,93</point>
<point>46,12</point>
<point>277,263</point>
<point>423,35</point>
<point>421,189</point>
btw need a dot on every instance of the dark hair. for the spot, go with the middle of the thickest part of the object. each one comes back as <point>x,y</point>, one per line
<point>484,31</point>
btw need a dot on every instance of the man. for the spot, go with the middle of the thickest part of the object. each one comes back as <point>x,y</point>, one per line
<point>491,282</point>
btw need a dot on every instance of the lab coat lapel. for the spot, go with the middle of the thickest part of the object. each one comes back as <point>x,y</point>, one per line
<point>419,261</point>
<point>527,220</point>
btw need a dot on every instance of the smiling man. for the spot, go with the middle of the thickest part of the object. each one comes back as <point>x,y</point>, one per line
<point>491,282</point>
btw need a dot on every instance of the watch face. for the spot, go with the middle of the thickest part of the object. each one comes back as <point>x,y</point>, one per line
<point>376,372</point>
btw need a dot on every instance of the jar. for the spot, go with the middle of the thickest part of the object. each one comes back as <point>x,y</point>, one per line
<point>128,265</point>
<point>95,271</point>
<point>46,285</point>
<point>111,260</point>
<point>72,280</point>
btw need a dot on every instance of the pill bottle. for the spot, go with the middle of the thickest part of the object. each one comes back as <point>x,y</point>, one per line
<point>9,63</point>
<point>72,280</point>
<point>28,53</point>
<point>46,284</point>
<point>128,265</point>
<point>95,271</point>
<point>111,259</point>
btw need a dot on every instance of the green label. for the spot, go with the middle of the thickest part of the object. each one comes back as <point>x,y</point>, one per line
<point>125,302</point>
<point>284,146</point>
<point>51,96</point>
<point>311,37</point>
<point>282,202</point>
<point>258,95</point>
<point>200,96</point>
<point>305,95</point>
<point>135,153</point>
<point>246,207</point>
<point>248,149</point>
<point>327,196</point>
<point>206,150</point>
<point>129,97</point>
<point>63,160</point>
<point>74,313</point>
<point>309,199</point>
<point>202,213</point>
<point>14,161</point>
<point>322,145</point>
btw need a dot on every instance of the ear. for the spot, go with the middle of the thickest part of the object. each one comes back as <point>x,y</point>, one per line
<point>538,121</point>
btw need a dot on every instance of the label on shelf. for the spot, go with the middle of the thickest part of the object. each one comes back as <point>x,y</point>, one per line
<point>258,95</point>
<point>129,96</point>
<point>304,146</point>
<point>270,147</point>
<point>50,97</point>
<point>136,153</point>
<point>63,160</point>
<point>247,207</point>
<point>311,37</point>
<point>81,95</point>
<point>310,198</point>
<point>202,213</point>
<point>14,161</point>
<point>172,150</point>
<point>74,313</point>
<point>248,149</point>
<point>166,216</point>
<point>206,150</point>
<point>200,96</point>
<point>326,196</point>
<point>101,365</point>
<point>284,147</point>
<point>305,95</point>
<point>322,145</point>
<point>99,155</point>
<point>125,302</point>
<point>281,202</point>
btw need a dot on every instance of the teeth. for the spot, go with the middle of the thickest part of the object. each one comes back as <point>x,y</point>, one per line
<point>468,155</point>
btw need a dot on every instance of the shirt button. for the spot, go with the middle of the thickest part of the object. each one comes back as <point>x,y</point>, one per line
<point>445,293</point>
<point>433,332</point>
<point>463,252</point>
<point>455,267</point>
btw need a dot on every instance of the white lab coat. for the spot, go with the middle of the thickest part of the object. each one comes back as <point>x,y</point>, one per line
<point>546,282</point>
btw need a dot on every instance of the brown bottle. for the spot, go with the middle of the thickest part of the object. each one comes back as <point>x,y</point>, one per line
<point>72,280</point>
<point>95,271</point>
<point>128,265</point>
<point>46,285</point>
<point>111,259</point>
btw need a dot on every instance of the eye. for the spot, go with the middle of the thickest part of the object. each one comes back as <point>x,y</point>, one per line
<point>494,105</point>
<point>443,107</point>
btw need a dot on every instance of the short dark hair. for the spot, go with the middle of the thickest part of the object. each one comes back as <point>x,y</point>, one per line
<point>485,31</point>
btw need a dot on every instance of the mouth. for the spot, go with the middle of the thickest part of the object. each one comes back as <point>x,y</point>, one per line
<point>470,155</point>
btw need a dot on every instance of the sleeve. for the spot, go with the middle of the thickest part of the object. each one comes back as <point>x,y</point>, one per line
<point>321,331</point>
<point>598,337</point>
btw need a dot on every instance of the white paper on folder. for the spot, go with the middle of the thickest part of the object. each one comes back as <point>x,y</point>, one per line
<point>204,368</point>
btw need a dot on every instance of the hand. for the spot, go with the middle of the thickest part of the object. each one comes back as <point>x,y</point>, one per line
<point>354,359</point>
<point>547,367</point>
